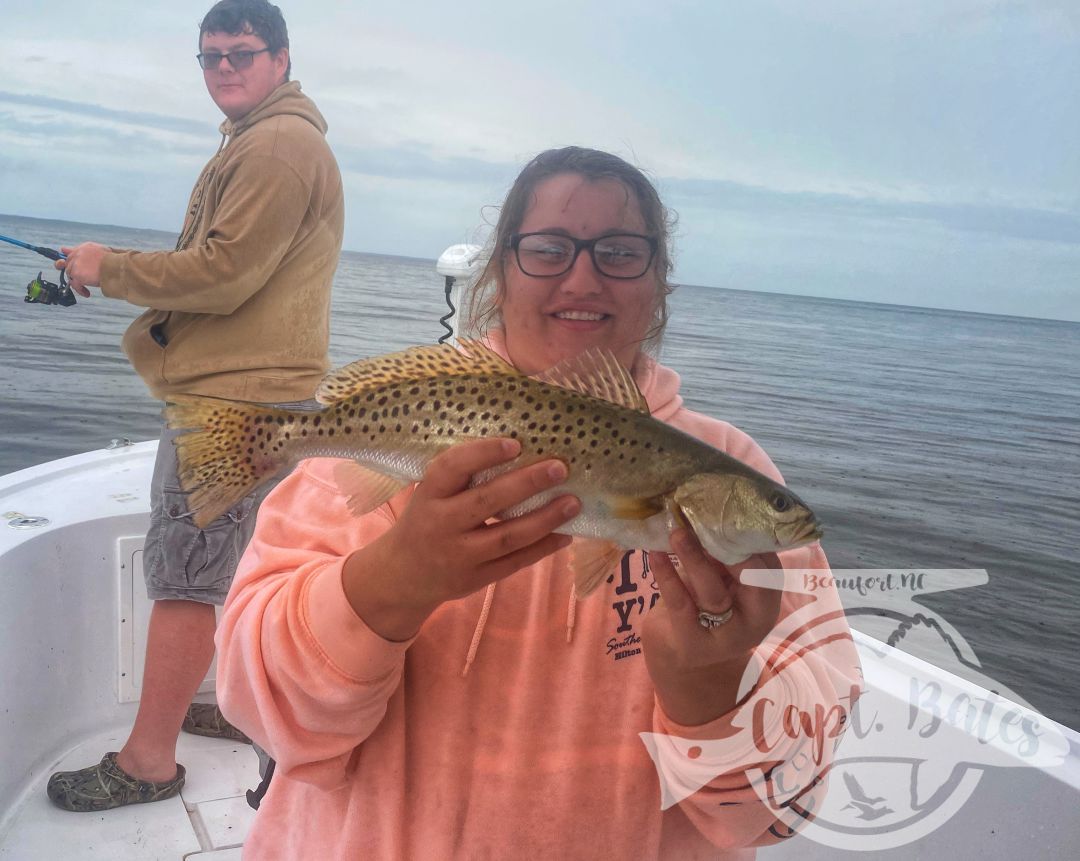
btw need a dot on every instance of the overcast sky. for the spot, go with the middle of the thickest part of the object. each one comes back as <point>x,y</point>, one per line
<point>921,152</point>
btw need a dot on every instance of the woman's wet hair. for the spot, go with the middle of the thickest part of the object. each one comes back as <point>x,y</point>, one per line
<point>486,292</point>
<point>259,17</point>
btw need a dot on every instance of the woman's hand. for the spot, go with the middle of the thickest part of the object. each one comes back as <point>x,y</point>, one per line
<point>442,547</point>
<point>697,670</point>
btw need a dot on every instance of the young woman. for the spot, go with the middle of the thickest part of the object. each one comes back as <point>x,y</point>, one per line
<point>423,675</point>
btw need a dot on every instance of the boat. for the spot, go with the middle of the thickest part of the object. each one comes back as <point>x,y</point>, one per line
<point>969,773</point>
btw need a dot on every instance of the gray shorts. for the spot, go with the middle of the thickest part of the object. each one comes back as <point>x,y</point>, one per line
<point>181,561</point>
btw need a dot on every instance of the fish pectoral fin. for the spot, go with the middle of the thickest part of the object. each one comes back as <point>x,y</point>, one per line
<point>365,488</point>
<point>676,512</point>
<point>635,507</point>
<point>597,373</point>
<point>591,560</point>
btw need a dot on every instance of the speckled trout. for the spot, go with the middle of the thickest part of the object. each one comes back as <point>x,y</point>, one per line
<point>637,478</point>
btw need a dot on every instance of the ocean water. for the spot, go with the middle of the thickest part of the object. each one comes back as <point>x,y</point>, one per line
<point>922,438</point>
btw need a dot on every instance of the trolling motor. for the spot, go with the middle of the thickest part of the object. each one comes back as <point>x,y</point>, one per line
<point>456,262</point>
<point>42,292</point>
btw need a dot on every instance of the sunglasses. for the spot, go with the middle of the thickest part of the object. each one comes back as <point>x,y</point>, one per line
<point>237,59</point>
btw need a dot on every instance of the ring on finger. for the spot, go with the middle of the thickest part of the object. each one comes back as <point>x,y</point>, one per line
<point>708,620</point>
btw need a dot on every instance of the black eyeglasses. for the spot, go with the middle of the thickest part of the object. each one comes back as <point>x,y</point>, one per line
<point>619,255</point>
<point>237,59</point>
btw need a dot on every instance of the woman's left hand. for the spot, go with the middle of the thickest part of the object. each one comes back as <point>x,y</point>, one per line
<point>697,670</point>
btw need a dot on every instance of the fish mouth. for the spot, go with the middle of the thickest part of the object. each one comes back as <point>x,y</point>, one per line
<point>802,533</point>
<point>811,531</point>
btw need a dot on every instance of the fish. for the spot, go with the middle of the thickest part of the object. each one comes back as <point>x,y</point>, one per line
<point>387,417</point>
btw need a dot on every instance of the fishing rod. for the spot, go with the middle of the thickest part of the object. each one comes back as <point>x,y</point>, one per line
<point>39,291</point>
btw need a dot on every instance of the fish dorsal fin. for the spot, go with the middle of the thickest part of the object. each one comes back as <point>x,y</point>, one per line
<point>416,363</point>
<point>597,373</point>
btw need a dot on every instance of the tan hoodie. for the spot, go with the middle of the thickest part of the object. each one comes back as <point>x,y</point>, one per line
<point>241,308</point>
<point>517,724</point>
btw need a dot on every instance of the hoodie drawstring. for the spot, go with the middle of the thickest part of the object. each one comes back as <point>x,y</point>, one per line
<point>571,613</point>
<point>489,599</point>
<point>481,623</point>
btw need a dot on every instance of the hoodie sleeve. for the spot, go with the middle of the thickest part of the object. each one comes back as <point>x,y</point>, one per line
<point>752,775</point>
<point>262,203</point>
<point>298,670</point>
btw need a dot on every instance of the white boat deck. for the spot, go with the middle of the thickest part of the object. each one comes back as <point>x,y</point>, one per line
<point>206,822</point>
<point>70,670</point>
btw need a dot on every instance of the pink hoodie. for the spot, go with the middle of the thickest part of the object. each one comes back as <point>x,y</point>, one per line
<point>490,735</point>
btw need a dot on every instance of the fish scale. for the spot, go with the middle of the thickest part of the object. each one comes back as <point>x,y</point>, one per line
<point>637,478</point>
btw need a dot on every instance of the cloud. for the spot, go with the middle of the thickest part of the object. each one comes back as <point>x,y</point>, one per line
<point>164,122</point>
<point>414,163</point>
<point>1021,223</point>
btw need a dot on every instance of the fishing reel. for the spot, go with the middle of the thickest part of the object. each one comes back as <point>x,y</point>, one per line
<point>42,292</point>
<point>39,291</point>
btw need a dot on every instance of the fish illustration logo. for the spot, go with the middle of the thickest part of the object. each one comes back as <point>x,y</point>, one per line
<point>909,748</point>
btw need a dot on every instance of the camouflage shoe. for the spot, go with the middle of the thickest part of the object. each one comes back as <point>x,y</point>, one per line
<point>106,785</point>
<point>207,719</point>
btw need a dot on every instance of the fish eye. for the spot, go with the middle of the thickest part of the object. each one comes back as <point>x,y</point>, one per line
<point>780,502</point>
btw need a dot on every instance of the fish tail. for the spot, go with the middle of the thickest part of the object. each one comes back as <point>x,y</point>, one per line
<point>229,449</point>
